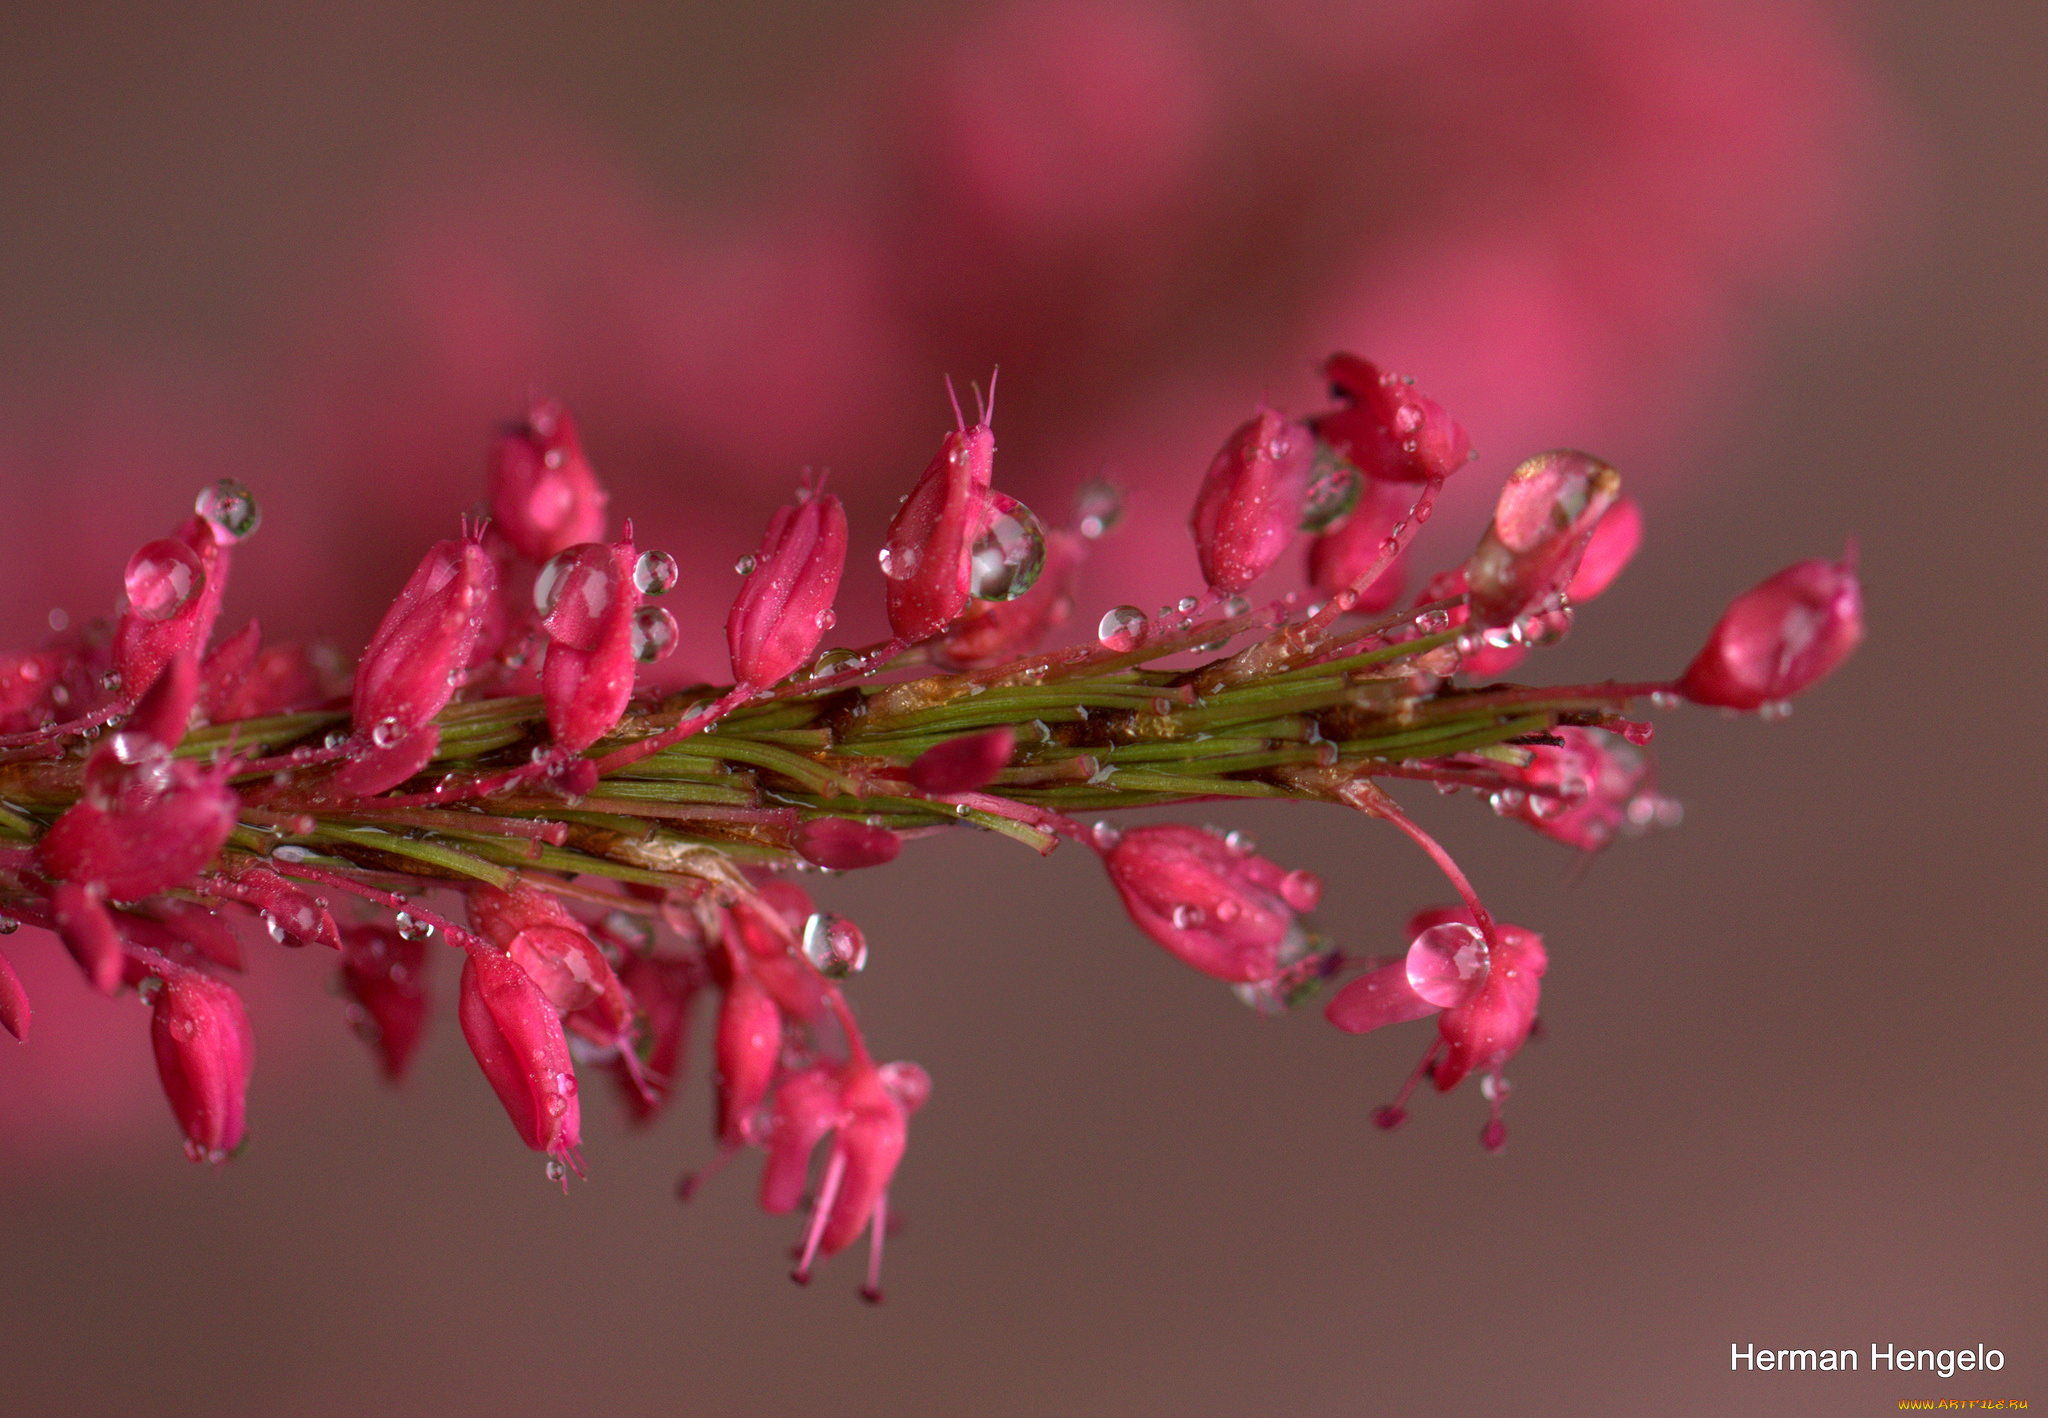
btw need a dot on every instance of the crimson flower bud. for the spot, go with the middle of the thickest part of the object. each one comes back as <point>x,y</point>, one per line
<point>225,668</point>
<point>385,977</point>
<point>163,712</point>
<point>966,764</point>
<point>1612,546</point>
<point>765,929</point>
<point>1338,557</point>
<point>161,824</point>
<point>409,672</point>
<point>838,844</point>
<point>1220,908</point>
<point>544,496</point>
<point>1546,514</point>
<point>785,605</point>
<point>928,555</point>
<point>1386,429</point>
<point>1250,502</point>
<point>14,1010</point>
<point>747,1048</point>
<point>204,1055</point>
<point>664,990</point>
<point>292,915</point>
<point>86,927</point>
<point>174,586</point>
<point>551,945</point>
<point>1581,791</point>
<point>806,1108</point>
<point>1780,638</point>
<point>517,1039</point>
<point>588,598</point>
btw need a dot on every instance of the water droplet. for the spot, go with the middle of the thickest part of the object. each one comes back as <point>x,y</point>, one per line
<point>274,926</point>
<point>1186,917</point>
<point>1122,628</point>
<point>1333,490</point>
<point>827,618</point>
<point>557,1105</point>
<point>149,989</point>
<point>1493,1088</point>
<point>1301,890</point>
<point>59,618</point>
<point>1448,964</point>
<point>1236,606</point>
<point>1507,800</point>
<point>1776,709</point>
<point>1008,556</point>
<point>1107,834</point>
<point>656,573</point>
<point>335,739</point>
<point>385,731</point>
<point>898,563</point>
<point>413,928</point>
<point>111,681</point>
<point>1098,507</point>
<point>746,564</point>
<point>547,586</point>
<point>8,925</point>
<point>232,510</point>
<point>654,634</point>
<point>1663,699</point>
<point>834,945</point>
<point>1187,605</point>
<point>1241,842</point>
<point>162,579</point>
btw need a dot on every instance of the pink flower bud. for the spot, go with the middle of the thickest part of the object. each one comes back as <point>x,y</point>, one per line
<point>1338,557</point>
<point>1780,638</point>
<point>385,978</point>
<point>1222,910</point>
<point>1250,502</point>
<point>292,915</point>
<point>589,599</point>
<point>838,844</point>
<point>14,1010</point>
<point>1541,524</point>
<point>993,631</point>
<point>280,678</point>
<point>664,990</point>
<point>205,1053</point>
<point>164,711</point>
<point>166,821</point>
<point>409,672</point>
<point>1613,545</point>
<point>747,1048</point>
<point>1386,429</point>
<point>966,764</point>
<point>554,949</point>
<point>517,1039</point>
<point>806,1108</point>
<point>927,557</point>
<point>86,927</point>
<point>225,669</point>
<point>544,496</point>
<point>1580,791</point>
<point>871,1140</point>
<point>762,938</point>
<point>184,932</point>
<point>174,586</point>
<point>785,605</point>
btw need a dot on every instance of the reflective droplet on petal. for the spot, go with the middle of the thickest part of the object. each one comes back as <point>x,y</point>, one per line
<point>232,510</point>
<point>1107,835</point>
<point>898,564</point>
<point>745,565</point>
<point>1186,917</point>
<point>654,634</point>
<point>385,732</point>
<point>1098,507</point>
<point>413,928</point>
<point>162,578</point>
<point>1008,556</point>
<point>1122,628</point>
<point>273,926</point>
<point>834,945</point>
<point>1447,964</point>
<point>1241,842</point>
<point>1237,606</point>
<point>149,989</point>
<point>656,573</point>
<point>1187,605</point>
<point>827,618</point>
<point>8,925</point>
<point>547,586</point>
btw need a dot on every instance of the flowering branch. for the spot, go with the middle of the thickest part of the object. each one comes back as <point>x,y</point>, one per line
<point>617,853</point>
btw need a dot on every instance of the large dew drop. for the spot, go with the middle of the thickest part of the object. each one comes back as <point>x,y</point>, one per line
<point>1448,964</point>
<point>232,510</point>
<point>1007,557</point>
<point>834,945</point>
<point>1122,628</point>
<point>654,634</point>
<point>162,579</point>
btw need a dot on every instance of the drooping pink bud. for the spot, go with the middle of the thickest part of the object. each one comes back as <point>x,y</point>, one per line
<point>993,631</point>
<point>410,670</point>
<point>1780,638</point>
<point>1222,909</point>
<point>1338,557</point>
<point>183,932</point>
<point>745,1053</point>
<point>86,927</point>
<point>162,822</point>
<point>871,1140</point>
<point>555,950</point>
<point>14,1010</point>
<point>785,605</point>
<point>839,844</point>
<point>174,587</point>
<point>1250,503</point>
<point>1386,429</point>
<point>517,1039</point>
<point>762,937</point>
<point>589,602</point>
<point>292,915</point>
<point>205,1053</point>
<point>544,496</point>
<point>1613,545</point>
<point>664,990</point>
<point>966,764</point>
<point>1546,514</point>
<point>385,977</point>
<point>928,555</point>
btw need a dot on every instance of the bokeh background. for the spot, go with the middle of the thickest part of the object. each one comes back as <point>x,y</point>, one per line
<point>1781,263</point>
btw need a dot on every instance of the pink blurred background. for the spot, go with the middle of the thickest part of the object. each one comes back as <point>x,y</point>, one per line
<point>1770,259</point>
